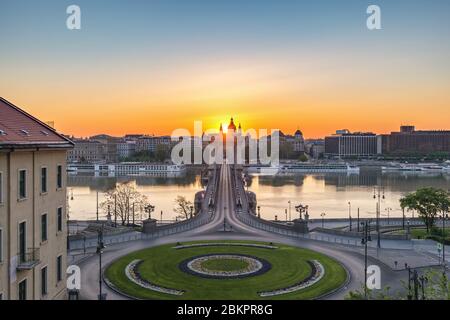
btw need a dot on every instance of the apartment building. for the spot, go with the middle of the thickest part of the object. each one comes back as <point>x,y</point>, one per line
<point>33,234</point>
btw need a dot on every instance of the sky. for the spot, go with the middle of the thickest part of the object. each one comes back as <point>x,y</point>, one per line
<point>151,67</point>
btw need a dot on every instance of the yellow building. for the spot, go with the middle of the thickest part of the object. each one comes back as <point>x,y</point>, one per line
<point>33,229</point>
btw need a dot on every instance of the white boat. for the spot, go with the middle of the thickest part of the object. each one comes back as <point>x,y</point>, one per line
<point>318,168</point>
<point>126,168</point>
<point>403,168</point>
<point>421,167</point>
<point>263,170</point>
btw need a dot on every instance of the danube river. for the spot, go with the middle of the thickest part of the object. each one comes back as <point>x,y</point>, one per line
<point>329,193</point>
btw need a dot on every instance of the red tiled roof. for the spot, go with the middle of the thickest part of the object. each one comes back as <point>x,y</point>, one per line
<point>20,129</point>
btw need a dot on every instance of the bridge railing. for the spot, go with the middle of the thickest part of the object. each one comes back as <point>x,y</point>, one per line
<point>205,216</point>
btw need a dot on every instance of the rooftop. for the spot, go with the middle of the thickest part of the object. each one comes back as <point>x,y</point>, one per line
<point>19,129</point>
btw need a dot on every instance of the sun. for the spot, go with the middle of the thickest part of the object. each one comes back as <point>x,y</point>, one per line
<point>225,126</point>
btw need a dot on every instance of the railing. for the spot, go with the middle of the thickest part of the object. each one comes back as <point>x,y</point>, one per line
<point>205,216</point>
<point>28,259</point>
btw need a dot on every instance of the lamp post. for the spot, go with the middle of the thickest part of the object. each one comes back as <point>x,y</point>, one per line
<point>301,209</point>
<point>133,215</point>
<point>191,208</point>
<point>403,218</point>
<point>286,214</point>
<point>388,209</point>
<point>97,206</point>
<point>289,210</point>
<point>161,215</point>
<point>444,217</point>
<point>366,238</point>
<point>350,215</point>
<point>259,211</point>
<point>115,210</point>
<point>149,209</point>
<point>378,193</point>
<point>100,247</point>
<point>357,221</point>
<point>323,214</point>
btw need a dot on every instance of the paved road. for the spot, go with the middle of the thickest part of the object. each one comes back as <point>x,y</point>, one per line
<point>214,230</point>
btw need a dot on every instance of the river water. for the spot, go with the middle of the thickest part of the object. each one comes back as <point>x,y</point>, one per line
<point>328,193</point>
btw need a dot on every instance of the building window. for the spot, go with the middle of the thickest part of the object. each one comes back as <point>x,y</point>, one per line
<point>22,184</point>
<point>59,218</point>
<point>43,281</point>
<point>1,245</point>
<point>43,180</point>
<point>22,241</point>
<point>1,187</point>
<point>23,290</point>
<point>44,227</point>
<point>59,268</point>
<point>59,177</point>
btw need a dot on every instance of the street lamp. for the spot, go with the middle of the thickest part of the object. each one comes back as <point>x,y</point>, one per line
<point>366,238</point>
<point>149,209</point>
<point>350,215</point>
<point>378,193</point>
<point>323,214</point>
<point>388,213</point>
<point>301,209</point>
<point>97,206</point>
<point>191,208</point>
<point>444,217</point>
<point>286,214</point>
<point>289,210</point>
<point>100,247</point>
<point>403,218</point>
<point>259,211</point>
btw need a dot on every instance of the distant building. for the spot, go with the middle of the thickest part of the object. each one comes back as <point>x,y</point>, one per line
<point>411,142</point>
<point>33,233</point>
<point>315,148</point>
<point>87,151</point>
<point>126,148</point>
<point>291,146</point>
<point>151,143</point>
<point>110,146</point>
<point>359,144</point>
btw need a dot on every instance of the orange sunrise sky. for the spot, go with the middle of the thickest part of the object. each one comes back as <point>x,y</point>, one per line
<point>151,69</point>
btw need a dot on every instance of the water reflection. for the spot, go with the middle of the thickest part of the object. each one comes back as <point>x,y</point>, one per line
<point>161,192</point>
<point>331,192</point>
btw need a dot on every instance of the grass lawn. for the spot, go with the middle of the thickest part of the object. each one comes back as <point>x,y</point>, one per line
<point>289,266</point>
<point>421,233</point>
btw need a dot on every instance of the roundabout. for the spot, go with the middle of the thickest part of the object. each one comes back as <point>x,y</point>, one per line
<point>227,270</point>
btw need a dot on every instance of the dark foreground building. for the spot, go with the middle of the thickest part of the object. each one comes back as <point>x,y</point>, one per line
<point>411,142</point>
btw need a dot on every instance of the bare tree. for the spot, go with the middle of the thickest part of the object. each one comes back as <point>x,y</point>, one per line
<point>121,200</point>
<point>183,207</point>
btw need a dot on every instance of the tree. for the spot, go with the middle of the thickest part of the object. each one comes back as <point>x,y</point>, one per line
<point>161,153</point>
<point>428,202</point>
<point>435,283</point>
<point>183,207</point>
<point>303,158</point>
<point>122,198</point>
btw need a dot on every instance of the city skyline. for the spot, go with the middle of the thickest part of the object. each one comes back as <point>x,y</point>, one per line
<point>286,66</point>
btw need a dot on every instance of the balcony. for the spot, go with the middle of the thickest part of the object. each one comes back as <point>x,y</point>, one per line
<point>28,259</point>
